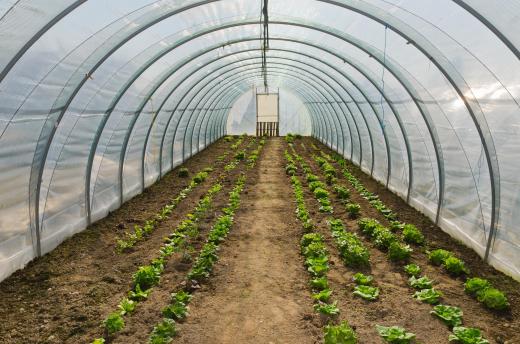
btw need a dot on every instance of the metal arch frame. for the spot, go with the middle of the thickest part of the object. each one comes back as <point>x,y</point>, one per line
<point>491,170</point>
<point>180,117</point>
<point>37,167</point>
<point>229,98</point>
<point>346,118</point>
<point>369,102</point>
<point>37,36</point>
<point>160,55</point>
<point>490,26</point>
<point>475,112</point>
<point>197,35</point>
<point>292,60</point>
<point>308,92</point>
<point>349,112</point>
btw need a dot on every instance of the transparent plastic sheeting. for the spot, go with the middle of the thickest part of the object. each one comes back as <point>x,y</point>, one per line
<point>99,99</point>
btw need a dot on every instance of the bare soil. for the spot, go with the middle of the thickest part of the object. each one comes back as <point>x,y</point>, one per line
<point>63,296</point>
<point>258,291</point>
<point>396,304</point>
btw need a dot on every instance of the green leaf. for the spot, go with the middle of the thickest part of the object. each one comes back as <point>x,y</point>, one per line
<point>395,334</point>
<point>366,292</point>
<point>362,279</point>
<point>339,334</point>
<point>412,270</point>
<point>430,296</point>
<point>327,308</point>
<point>450,315</point>
<point>420,283</point>
<point>114,323</point>
<point>467,335</point>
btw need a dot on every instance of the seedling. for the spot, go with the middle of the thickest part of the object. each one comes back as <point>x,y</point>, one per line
<point>395,334</point>
<point>430,296</point>
<point>327,308</point>
<point>323,295</point>
<point>493,298</point>
<point>362,279</point>
<point>339,334</point>
<point>366,292</point>
<point>163,333</point>
<point>455,266</point>
<point>353,210</point>
<point>99,341</point>
<point>467,335</point>
<point>114,323</point>
<point>437,257</point>
<point>412,235</point>
<point>399,252</point>
<point>412,270</point>
<point>450,315</point>
<point>319,283</point>
<point>420,283</point>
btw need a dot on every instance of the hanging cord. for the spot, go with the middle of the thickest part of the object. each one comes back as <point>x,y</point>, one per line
<point>383,79</point>
<point>264,22</point>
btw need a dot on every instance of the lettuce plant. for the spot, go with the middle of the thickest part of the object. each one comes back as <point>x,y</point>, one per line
<point>475,285</point>
<point>339,334</point>
<point>455,266</point>
<point>395,334</point>
<point>437,257</point>
<point>420,283</point>
<point>320,193</point>
<point>366,292</point>
<point>327,308</point>
<point>114,323</point>
<point>323,295</point>
<point>467,335</point>
<point>383,238</point>
<point>342,192</point>
<point>368,226</point>
<point>183,172</point>
<point>493,298</point>
<point>163,333</point>
<point>430,296</point>
<point>311,178</point>
<point>362,279</point>
<point>126,306</point>
<point>353,209</point>
<point>399,252</point>
<point>412,235</point>
<point>319,283</point>
<point>412,270</point>
<point>450,315</point>
<point>147,276</point>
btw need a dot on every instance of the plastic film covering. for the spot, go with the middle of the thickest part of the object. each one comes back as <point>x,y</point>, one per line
<point>100,99</point>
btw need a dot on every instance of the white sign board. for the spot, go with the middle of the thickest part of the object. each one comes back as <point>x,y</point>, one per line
<point>267,107</point>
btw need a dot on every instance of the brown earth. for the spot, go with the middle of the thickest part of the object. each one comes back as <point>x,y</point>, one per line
<point>63,296</point>
<point>396,301</point>
<point>258,291</point>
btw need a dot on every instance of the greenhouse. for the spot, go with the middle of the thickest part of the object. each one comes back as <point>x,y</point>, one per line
<point>255,171</point>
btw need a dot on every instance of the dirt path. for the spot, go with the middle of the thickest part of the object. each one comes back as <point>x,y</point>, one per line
<point>258,291</point>
<point>63,296</point>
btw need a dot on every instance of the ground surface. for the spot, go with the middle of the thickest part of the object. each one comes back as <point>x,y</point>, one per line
<point>258,291</point>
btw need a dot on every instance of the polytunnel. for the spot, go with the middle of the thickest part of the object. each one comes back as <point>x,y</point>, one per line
<point>100,100</point>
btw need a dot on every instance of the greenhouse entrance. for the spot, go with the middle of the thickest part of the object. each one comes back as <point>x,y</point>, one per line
<point>267,114</point>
